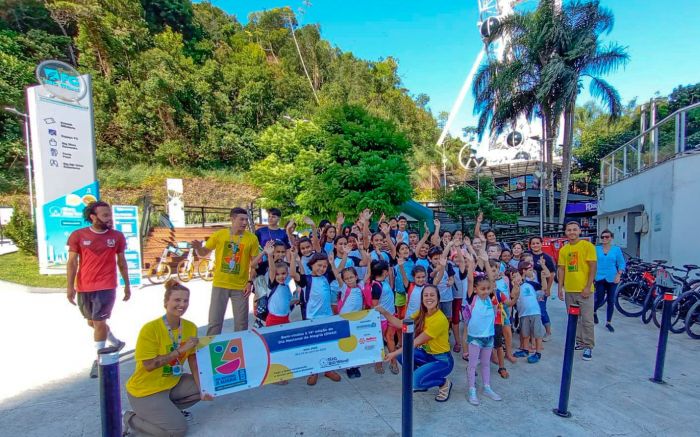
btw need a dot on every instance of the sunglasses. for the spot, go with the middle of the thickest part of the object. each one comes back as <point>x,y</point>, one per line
<point>605,237</point>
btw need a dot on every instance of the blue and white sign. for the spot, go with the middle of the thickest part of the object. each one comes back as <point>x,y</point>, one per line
<point>126,221</point>
<point>63,152</point>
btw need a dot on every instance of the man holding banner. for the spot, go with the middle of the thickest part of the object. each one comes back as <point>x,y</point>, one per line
<point>93,257</point>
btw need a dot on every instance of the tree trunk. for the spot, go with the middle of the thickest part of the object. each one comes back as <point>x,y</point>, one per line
<point>566,158</point>
<point>550,136</point>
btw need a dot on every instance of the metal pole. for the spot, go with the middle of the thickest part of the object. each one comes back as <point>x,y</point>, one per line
<point>407,379</point>
<point>663,339</point>
<point>110,394</point>
<point>563,409</point>
<point>542,142</point>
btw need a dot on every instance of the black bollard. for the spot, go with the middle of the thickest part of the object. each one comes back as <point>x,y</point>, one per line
<point>407,379</point>
<point>663,339</point>
<point>563,409</point>
<point>110,394</point>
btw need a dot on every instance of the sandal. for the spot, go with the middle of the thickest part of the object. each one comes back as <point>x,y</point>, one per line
<point>379,368</point>
<point>444,391</point>
<point>457,348</point>
<point>394,367</point>
<point>503,372</point>
<point>465,356</point>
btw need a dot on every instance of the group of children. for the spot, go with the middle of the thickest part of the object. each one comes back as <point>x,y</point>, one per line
<point>485,288</point>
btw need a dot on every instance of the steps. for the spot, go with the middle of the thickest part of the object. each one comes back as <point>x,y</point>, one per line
<point>159,237</point>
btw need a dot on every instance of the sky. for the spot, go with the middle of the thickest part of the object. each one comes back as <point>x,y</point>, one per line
<point>436,42</point>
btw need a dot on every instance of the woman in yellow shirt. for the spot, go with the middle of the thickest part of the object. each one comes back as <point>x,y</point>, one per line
<point>432,358</point>
<point>159,391</point>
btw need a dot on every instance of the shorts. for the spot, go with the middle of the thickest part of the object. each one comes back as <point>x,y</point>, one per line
<point>385,326</point>
<point>273,320</point>
<point>97,305</point>
<point>446,308</point>
<point>531,326</point>
<point>482,342</point>
<point>498,336</point>
<point>456,310</point>
<point>401,312</point>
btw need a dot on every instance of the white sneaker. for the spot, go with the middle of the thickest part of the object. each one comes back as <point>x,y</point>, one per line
<point>126,429</point>
<point>488,392</point>
<point>473,398</point>
<point>547,337</point>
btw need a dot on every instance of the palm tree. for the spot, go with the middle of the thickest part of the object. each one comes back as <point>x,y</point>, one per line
<point>550,50</point>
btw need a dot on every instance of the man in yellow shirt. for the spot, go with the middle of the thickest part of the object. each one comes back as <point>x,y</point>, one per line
<point>234,248</point>
<point>576,273</point>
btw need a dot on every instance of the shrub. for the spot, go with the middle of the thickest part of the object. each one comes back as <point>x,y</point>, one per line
<point>22,231</point>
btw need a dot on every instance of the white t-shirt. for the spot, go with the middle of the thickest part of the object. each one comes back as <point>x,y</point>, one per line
<point>413,304</point>
<point>527,302</point>
<point>481,323</point>
<point>353,302</point>
<point>278,304</point>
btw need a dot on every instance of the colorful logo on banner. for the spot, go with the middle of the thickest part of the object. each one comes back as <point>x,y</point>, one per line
<point>61,80</point>
<point>228,364</point>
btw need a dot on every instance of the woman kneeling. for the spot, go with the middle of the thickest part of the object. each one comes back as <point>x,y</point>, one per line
<point>159,391</point>
<point>431,356</point>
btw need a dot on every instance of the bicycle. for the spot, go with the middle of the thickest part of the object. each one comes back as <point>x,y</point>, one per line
<point>687,294</point>
<point>206,268</point>
<point>634,297</point>
<point>186,267</point>
<point>692,321</point>
<point>162,271</point>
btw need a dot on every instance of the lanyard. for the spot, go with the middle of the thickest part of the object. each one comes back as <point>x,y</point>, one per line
<point>170,333</point>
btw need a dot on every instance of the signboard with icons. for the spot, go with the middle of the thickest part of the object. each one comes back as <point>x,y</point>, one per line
<point>126,221</point>
<point>63,151</point>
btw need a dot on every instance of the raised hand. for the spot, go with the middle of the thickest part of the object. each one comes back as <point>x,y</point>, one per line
<point>516,278</point>
<point>427,229</point>
<point>291,226</point>
<point>436,222</point>
<point>480,217</point>
<point>340,219</point>
<point>309,221</point>
<point>269,248</point>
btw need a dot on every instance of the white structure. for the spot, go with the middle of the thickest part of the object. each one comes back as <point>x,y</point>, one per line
<point>649,194</point>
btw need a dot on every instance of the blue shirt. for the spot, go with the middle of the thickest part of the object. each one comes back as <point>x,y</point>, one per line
<point>610,264</point>
<point>266,234</point>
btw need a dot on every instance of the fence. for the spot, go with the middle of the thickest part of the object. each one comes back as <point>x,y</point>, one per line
<point>677,134</point>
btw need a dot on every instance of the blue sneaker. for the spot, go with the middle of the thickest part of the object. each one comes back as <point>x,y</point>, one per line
<point>521,353</point>
<point>587,354</point>
<point>534,358</point>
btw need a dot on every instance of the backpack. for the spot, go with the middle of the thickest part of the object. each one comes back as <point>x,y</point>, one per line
<point>262,305</point>
<point>367,294</point>
<point>467,309</point>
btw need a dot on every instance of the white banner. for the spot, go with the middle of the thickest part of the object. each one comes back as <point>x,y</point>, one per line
<point>238,361</point>
<point>63,149</point>
<point>176,204</point>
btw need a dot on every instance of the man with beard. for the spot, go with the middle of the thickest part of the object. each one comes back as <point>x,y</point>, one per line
<point>95,252</point>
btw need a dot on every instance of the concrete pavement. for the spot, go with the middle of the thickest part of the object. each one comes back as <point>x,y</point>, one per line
<point>44,388</point>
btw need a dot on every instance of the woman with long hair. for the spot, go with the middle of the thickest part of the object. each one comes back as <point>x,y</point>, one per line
<point>432,358</point>
<point>611,265</point>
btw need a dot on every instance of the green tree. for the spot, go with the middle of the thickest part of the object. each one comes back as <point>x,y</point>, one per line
<point>466,201</point>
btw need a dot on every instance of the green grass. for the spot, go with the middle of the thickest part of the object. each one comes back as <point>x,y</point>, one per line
<point>154,176</point>
<point>24,269</point>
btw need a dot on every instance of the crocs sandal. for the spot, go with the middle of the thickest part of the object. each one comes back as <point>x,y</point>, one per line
<point>444,392</point>
<point>394,367</point>
<point>503,372</point>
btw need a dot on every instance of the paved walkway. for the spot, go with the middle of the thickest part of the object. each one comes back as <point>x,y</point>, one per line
<point>44,388</point>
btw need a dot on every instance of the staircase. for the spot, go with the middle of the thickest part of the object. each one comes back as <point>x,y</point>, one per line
<point>159,237</point>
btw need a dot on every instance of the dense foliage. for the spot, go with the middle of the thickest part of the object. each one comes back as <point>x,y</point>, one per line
<point>467,201</point>
<point>187,85</point>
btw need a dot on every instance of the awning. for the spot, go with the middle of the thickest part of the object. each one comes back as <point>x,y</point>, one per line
<point>636,208</point>
<point>581,207</point>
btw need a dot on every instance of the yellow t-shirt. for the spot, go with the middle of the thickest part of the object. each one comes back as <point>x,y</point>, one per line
<point>154,340</point>
<point>437,327</point>
<point>574,258</point>
<point>233,255</point>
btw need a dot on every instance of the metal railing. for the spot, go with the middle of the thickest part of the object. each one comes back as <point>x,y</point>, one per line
<point>675,135</point>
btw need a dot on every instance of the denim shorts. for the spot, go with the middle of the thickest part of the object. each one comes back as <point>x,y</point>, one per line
<point>482,342</point>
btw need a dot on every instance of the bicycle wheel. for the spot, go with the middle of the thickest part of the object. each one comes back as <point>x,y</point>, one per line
<point>657,310</point>
<point>680,309</point>
<point>185,272</point>
<point>204,271</point>
<point>692,321</point>
<point>160,274</point>
<point>630,299</point>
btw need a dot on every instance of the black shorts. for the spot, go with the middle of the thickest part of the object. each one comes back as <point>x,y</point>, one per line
<point>97,305</point>
<point>498,336</point>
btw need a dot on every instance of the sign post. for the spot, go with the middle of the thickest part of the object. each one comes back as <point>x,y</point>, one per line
<point>126,221</point>
<point>63,148</point>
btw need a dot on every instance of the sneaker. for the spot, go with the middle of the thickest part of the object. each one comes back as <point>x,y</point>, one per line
<point>610,328</point>
<point>521,353</point>
<point>473,398</point>
<point>587,354</point>
<point>595,318</point>
<point>357,372</point>
<point>333,376</point>
<point>312,380</point>
<point>126,416</point>
<point>187,415</point>
<point>534,358</point>
<point>488,392</point>
<point>547,337</point>
<point>579,347</point>
<point>93,370</point>
<point>350,373</point>
<point>120,346</point>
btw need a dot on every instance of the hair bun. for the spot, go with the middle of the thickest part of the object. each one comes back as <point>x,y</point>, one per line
<point>171,283</point>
